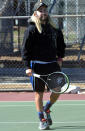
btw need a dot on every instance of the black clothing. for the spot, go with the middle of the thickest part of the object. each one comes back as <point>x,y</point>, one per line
<point>43,69</point>
<point>45,46</point>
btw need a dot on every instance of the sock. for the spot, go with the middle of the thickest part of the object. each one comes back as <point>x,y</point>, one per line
<point>47,106</point>
<point>41,115</point>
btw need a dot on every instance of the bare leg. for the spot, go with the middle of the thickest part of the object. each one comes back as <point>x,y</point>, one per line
<point>52,100</point>
<point>39,107</point>
<point>54,97</point>
<point>39,101</point>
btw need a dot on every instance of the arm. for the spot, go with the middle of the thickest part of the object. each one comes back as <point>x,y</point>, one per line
<point>26,51</point>
<point>60,47</point>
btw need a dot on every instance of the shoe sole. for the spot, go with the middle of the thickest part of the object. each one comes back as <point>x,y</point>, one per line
<point>44,128</point>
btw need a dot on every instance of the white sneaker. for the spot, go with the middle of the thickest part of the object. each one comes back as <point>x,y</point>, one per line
<point>43,125</point>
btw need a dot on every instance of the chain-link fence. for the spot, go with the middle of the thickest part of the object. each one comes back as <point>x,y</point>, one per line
<point>69,16</point>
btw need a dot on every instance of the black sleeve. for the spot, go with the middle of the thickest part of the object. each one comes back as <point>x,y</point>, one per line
<point>26,48</point>
<point>60,44</point>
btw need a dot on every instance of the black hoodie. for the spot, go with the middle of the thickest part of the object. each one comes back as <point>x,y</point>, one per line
<point>45,46</point>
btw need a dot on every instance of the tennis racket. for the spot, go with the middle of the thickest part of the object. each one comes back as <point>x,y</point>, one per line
<point>57,82</point>
<point>3,4</point>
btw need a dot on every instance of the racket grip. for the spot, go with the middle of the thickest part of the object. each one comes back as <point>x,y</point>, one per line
<point>36,75</point>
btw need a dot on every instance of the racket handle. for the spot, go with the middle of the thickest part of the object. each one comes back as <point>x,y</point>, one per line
<point>36,75</point>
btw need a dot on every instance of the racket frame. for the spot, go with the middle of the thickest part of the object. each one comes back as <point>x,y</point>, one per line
<point>67,79</point>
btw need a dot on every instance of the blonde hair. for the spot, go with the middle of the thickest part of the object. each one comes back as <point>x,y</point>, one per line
<point>37,22</point>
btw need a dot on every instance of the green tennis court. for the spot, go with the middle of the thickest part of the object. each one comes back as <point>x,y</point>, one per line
<point>22,116</point>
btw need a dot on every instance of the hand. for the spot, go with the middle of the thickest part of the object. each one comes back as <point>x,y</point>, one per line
<point>29,72</point>
<point>60,63</point>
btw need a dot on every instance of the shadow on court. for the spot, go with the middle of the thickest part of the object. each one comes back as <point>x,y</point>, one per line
<point>68,127</point>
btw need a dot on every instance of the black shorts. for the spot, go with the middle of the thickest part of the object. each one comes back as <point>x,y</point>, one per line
<point>42,69</point>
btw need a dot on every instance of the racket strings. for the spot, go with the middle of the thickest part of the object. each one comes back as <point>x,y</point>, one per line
<point>57,82</point>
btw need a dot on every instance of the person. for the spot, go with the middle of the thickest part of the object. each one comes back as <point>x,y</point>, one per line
<point>42,51</point>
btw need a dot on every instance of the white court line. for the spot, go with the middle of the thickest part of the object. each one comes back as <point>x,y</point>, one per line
<point>34,105</point>
<point>29,122</point>
<point>44,101</point>
<point>70,104</point>
<point>17,105</point>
